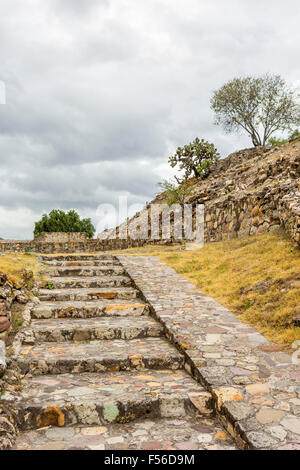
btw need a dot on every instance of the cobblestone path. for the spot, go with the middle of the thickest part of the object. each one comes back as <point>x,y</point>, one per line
<point>99,372</point>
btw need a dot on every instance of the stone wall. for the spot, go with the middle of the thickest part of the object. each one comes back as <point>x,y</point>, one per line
<point>88,246</point>
<point>61,237</point>
<point>12,292</point>
<point>272,200</point>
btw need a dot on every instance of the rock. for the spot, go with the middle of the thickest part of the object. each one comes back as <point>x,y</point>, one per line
<point>3,278</point>
<point>110,412</point>
<point>3,361</point>
<point>225,394</point>
<point>171,406</point>
<point>21,297</point>
<point>202,402</point>
<point>268,415</point>
<point>291,424</point>
<point>51,416</point>
<point>260,440</point>
<point>238,410</point>
<point>4,324</point>
<point>258,389</point>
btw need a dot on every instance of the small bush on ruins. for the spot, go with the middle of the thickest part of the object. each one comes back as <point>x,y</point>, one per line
<point>175,194</point>
<point>260,106</point>
<point>195,159</point>
<point>60,221</point>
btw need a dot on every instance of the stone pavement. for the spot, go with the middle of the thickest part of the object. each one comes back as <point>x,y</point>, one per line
<point>165,434</point>
<point>255,386</point>
<point>99,372</point>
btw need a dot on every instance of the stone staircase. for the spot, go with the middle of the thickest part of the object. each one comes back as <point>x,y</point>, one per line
<point>99,372</point>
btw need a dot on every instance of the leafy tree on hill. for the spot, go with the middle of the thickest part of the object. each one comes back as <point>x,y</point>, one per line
<point>195,159</point>
<point>60,221</point>
<point>260,106</point>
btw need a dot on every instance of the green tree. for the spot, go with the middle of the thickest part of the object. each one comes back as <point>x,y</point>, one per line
<point>60,221</point>
<point>260,106</point>
<point>175,194</point>
<point>195,159</point>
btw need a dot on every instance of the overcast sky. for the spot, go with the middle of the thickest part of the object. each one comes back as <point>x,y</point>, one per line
<point>100,92</point>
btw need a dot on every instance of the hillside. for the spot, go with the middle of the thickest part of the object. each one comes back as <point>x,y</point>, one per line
<point>251,191</point>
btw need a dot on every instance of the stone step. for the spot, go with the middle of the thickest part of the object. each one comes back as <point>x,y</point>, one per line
<point>88,329</point>
<point>99,356</point>
<point>98,308</point>
<point>76,258</point>
<point>88,294</point>
<point>85,282</point>
<point>109,263</point>
<point>85,271</point>
<point>167,434</point>
<point>88,398</point>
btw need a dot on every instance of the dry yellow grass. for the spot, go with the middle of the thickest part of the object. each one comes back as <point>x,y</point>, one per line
<point>257,277</point>
<point>13,263</point>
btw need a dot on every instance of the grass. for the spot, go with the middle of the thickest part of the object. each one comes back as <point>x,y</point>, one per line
<point>257,278</point>
<point>13,263</point>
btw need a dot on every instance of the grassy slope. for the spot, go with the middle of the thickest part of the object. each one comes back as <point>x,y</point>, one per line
<point>12,264</point>
<point>257,277</point>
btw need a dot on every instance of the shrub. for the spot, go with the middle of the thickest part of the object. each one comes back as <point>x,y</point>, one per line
<point>195,158</point>
<point>176,194</point>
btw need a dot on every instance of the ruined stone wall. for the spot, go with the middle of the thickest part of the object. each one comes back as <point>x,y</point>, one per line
<point>272,200</point>
<point>61,237</point>
<point>88,246</point>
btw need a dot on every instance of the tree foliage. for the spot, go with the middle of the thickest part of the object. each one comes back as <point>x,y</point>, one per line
<point>260,106</point>
<point>175,194</point>
<point>195,158</point>
<point>60,221</point>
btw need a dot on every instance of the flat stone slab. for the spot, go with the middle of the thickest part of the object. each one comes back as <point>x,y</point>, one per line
<point>98,308</point>
<point>256,389</point>
<point>88,294</point>
<point>77,258</point>
<point>99,356</point>
<point>86,282</point>
<point>87,329</point>
<point>86,271</point>
<point>168,434</point>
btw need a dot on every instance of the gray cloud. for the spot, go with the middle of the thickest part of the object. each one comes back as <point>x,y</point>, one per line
<point>100,93</point>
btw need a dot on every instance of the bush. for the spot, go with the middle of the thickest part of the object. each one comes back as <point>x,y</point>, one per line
<point>60,221</point>
<point>176,194</point>
<point>195,158</point>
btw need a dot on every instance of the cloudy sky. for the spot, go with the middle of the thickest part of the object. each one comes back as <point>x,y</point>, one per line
<point>100,92</point>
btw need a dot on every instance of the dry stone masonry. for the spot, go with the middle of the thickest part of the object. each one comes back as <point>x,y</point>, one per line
<point>99,372</point>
